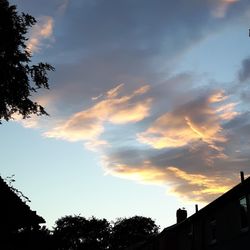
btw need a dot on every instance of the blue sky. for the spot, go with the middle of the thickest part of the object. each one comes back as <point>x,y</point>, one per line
<point>149,107</point>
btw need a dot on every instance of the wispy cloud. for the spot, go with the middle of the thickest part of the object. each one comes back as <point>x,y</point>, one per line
<point>89,124</point>
<point>31,122</point>
<point>222,7</point>
<point>34,121</point>
<point>199,120</point>
<point>96,145</point>
<point>63,6</point>
<point>42,31</point>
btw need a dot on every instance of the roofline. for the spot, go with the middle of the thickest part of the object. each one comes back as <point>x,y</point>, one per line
<point>211,205</point>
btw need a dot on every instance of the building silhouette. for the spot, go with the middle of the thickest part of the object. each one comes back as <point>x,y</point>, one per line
<point>221,225</point>
<point>15,216</point>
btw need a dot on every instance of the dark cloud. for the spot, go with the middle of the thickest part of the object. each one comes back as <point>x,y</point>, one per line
<point>244,73</point>
<point>101,43</point>
<point>38,8</point>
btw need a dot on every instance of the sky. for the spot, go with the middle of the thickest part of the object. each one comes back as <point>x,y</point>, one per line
<point>149,107</point>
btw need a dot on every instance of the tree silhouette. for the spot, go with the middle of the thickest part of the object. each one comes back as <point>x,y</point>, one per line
<point>39,238</point>
<point>129,231</point>
<point>76,232</point>
<point>18,77</point>
<point>19,227</point>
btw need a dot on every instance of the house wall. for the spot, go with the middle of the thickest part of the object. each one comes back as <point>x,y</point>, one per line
<point>217,227</point>
<point>229,234</point>
<point>225,220</point>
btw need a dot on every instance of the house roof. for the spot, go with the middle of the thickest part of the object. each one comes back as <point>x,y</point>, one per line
<point>234,193</point>
<point>15,213</point>
<point>239,190</point>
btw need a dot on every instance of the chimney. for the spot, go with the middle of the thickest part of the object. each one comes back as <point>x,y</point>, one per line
<point>181,214</point>
<point>196,208</point>
<point>242,178</point>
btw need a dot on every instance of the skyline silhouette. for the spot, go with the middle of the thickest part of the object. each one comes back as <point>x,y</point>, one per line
<point>149,108</point>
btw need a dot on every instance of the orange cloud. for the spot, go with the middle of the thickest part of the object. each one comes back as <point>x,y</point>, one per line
<point>200,186</point>
<point>193,154</point>
<point>42,30</point>
<point>142,174</point>
<point>115,91</point>
<point>89,124</point>
<point>134,113</point>
<point>81,126</point>
<point>188,186</point>
<point>193,122</point>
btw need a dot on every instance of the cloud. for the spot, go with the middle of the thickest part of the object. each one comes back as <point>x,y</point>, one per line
<point>194,152</point>
<point>96,145</point>
<point>31,122</point>
<point>199,120</point>
<point>96,47</point>
<point>146,175</point>
<point>43,30</point>
<point>222,7</point>
<point>186,150</point>
<point>34,121</point>
<point>199,187</point>
<point>184,173</point>
<point>243,77</point>
<point>115,91</point>
<point>114,108</point>
<point>63,6</point>
<point>244,73</point>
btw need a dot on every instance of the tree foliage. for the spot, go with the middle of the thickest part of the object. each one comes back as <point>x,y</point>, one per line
<point>18,77</point>
<point>76,232</point>
<point>129,231</point>
<point>32,238</point>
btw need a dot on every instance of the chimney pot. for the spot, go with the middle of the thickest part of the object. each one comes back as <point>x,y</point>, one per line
<point>196,208</point>
<point>242,176</point>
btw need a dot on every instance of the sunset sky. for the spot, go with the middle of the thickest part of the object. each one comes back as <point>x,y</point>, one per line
<point>149,107</point>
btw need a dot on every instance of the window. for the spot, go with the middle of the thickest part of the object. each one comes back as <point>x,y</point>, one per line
<point>190,229</point>
<point>212,225</point>
<point>243,213</point>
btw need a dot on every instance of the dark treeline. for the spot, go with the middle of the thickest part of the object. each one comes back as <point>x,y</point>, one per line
<point>77,232</point>
<point>20,227</point>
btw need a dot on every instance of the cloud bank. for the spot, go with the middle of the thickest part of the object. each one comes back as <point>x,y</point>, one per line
<point>162,125</point>
<point>186,150</point>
